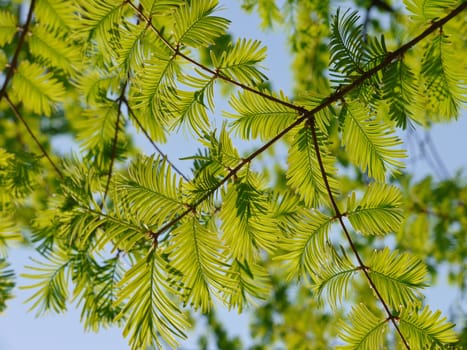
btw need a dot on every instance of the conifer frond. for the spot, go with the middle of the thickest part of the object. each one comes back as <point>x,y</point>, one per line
<point>98,293</point>
<point>18,176</point>
<point>304,174</point>
<point>195,26</point>
<point>196,251</point>
<point>211,166</point>
<point>375,52</point>
<point>442,77</point>
<point>401,92</point>
<point>258,117</point>
<point>424,11</point>
<point>301,250</point>
<point>96,84</point>
<point>8,27</point>
<point>160,7</point>
<point>7,283</point>
<point>146,296</point>
<point>251,283</point>
<point>131,51</point>
<point>370,142</point>
<point>366,331</point>
<point>287,212</point>
<point>245,217</point>
<point>346,44</point>
<point>398,277</point>
<point>96,128</point>
<point>122,228</point>
<point>155,86</point>
<point>426,329</point>
<point>100,20</point>
<point>379,212</point>
<point>189,109</point>
<point>52,283</point>
<point>58,15</point>
<point>56,52</point>
<point>39,91</point>
<point>333,275</point>
<point>239,61</point>
<point>151,189</point>
<point>203,84</point>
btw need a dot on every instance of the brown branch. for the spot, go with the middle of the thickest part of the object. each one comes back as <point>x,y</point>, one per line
<point>14,60</point>
<point>338,94</point>
<point>305,114</point>
<point>31,133</point>
<point>340,216</point>
<point>151,141</point>
<point>114,141</point>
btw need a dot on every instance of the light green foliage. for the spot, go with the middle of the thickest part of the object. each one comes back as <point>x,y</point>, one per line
<point>424,327</point>
<point>150,313</point>
<point>239,60</point>
<point>8,27</point>
<point>308,235</point>
<point>43,91</point>
<point>378,212</point>
<point>366,330</point>
<point>259,118</point>
<point>402,274</point>
<point>7,282</point>
<point>369,143</point>
<point>135,242</point>
<point>303,157</point>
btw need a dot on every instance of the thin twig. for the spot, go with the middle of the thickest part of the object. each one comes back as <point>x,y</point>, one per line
<point>21,118</point>
<point>115,141</point>
<point>176,51</point>
<point>339,215</point>
<point>338,94</point>
<point>305,114</point>
<point>14,60</point>
<point>151,141</point>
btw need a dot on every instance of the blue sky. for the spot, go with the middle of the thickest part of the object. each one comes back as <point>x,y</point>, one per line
<point>21,330</point>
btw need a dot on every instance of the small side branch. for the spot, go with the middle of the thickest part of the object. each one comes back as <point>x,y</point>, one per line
<point>115,141</point>
<point>303,113</point>
<point>14,60</point>
<point>339,215</point>
<point>151,141</point>
<point>31,133</point>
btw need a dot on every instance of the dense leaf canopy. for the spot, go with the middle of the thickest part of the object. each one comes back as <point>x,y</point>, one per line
<point>135,242</point>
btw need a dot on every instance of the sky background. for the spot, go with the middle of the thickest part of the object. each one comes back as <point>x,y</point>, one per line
<point>20,330</point>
